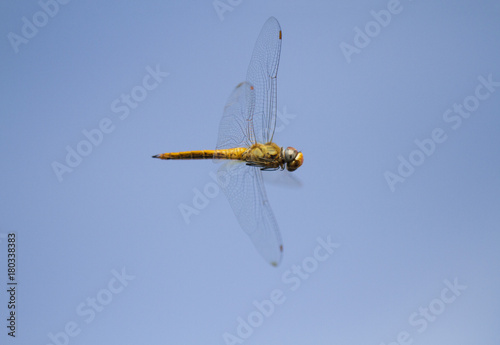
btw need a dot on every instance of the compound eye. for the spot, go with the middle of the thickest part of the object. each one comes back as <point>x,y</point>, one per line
<point>290,154</point>
<point>296,163</point>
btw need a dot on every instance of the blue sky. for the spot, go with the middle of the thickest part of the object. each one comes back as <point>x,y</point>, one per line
<point>395,105</point>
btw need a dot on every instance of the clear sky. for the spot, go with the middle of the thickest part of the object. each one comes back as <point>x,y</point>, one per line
<point>391,228</point>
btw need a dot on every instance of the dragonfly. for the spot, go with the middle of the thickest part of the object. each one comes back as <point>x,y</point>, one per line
<point>245,143</point>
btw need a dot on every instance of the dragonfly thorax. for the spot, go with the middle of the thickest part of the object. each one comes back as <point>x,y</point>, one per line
<point>271,157</point>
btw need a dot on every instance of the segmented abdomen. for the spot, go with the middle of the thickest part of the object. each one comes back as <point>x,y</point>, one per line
<point>235,153</point>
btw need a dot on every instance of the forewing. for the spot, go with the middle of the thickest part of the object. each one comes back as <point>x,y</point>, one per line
<point>262,73</point>
<point>245,191</point>
<point>236,127</point>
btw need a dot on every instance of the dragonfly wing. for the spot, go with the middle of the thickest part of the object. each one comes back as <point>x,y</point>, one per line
<point>250,117</point>
<point>245,191</point>
<point>235,128</point>
<point>262,73</point>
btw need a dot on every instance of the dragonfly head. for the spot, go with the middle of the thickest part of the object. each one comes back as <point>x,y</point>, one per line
<point>293,158</point>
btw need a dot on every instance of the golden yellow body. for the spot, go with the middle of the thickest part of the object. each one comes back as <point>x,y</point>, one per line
<point>266,156</point>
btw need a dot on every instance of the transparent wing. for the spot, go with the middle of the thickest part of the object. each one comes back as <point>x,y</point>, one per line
<point>243,184</point>
<point>245,191</point>
<point>262,73</point>
<point>236,126</point>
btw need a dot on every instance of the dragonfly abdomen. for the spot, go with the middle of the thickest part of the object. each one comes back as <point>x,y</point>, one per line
<point>235,153</point>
